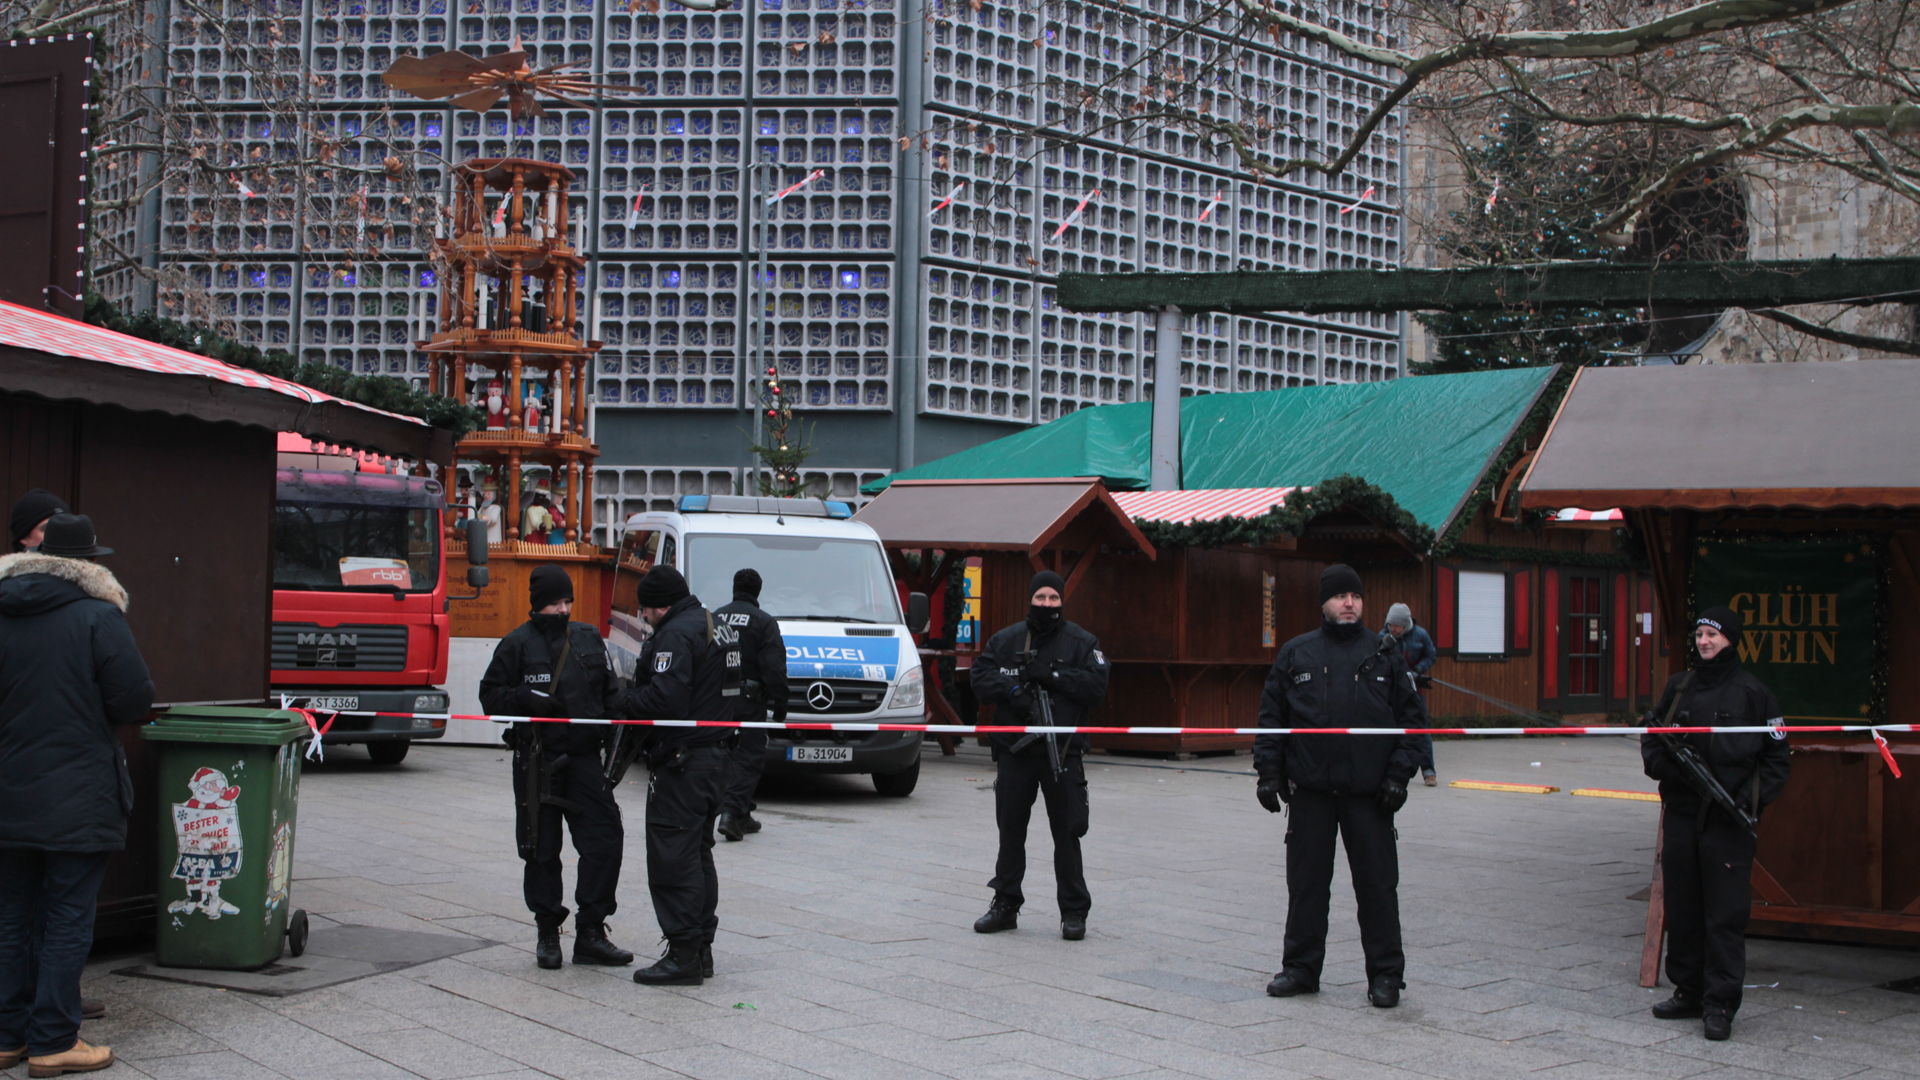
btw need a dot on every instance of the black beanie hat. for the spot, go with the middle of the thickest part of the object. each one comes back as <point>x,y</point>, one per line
<point>746,583</point>
<point>33,508</point>
<point>1336,579</point>
<point>662,587</point>
<point>548,584</point>
<point>1725,620</point>
<point>1047,579</point>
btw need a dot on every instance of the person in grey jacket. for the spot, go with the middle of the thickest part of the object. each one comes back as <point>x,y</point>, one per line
<point>1421,654</point>
<point>70,673</point>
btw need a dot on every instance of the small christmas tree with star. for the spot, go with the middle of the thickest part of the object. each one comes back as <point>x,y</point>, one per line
<point>787,445</point>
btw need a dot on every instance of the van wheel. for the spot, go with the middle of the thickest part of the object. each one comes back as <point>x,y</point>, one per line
<point>897,785</point>
<point>388,753</point>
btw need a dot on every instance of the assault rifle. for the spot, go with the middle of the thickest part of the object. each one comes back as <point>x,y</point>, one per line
<point>629,742</point>
<point>1045,701</point>
<point>543,777</point>
<point>1700,778</point>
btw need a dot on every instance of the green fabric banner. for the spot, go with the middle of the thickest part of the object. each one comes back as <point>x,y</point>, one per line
<point>1810,610</point>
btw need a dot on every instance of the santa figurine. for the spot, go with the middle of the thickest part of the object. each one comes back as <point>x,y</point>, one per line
<point>496,406</point>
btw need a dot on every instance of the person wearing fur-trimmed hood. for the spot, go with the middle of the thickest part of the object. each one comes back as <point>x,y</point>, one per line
<point>69,673</point>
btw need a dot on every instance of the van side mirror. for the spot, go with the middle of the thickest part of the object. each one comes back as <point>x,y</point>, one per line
<point>919,612</point>
<point>476,545</point>
<point>476,577</point>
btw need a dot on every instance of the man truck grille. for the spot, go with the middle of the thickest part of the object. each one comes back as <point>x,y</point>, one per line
<point>311,647</point>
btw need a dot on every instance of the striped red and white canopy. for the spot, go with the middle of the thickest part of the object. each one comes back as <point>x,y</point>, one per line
<point>1186,507</point>
<point>1589,515</point>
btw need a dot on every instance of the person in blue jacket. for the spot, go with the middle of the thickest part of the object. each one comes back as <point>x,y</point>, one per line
<point>1420,653</point>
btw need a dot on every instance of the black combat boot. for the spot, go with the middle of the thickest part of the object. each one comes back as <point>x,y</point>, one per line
<point>1290,984</point>
<point>1000,916</point>
<point>1677,1007</point>
<point>706,961</point>
<point>591,945</point>
<point>546,949</point>
<point>680,966</point>
<point>748,823</point>
<point>1719,1026</point>
<point>729,826</point>
<point>1384,991</point>
<point>1073,927</point>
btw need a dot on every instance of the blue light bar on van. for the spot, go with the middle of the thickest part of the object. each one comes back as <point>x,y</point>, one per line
<point>837,509</point>
<point>694,503</point>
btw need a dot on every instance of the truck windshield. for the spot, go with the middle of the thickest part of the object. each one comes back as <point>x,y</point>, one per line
<point>332,533</point>
<point>802,576</point>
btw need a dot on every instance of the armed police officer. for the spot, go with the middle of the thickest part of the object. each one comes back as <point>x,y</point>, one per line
<point>1712,790</point>
<point>683,665</point>
<point>552,667</point>
<point>1045,671</point>
<point>1339,676</point>
<point>763,691</point>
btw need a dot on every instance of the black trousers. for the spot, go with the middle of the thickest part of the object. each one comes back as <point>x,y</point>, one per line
<point>1707,874</point>
<point>47,901</point>
<point>1313,817</point>
<point>748,761</point>
<point>598,837</point>
<point>682,802</point>
<point>1018,781</point>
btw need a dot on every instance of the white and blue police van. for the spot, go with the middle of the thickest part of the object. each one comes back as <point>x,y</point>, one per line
<point>850,655</point>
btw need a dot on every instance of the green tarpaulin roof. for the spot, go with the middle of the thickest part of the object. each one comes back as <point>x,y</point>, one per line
<point>1425,441</point>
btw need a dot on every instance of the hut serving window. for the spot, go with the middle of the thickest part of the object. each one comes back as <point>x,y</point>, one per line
<point>1482,613</point>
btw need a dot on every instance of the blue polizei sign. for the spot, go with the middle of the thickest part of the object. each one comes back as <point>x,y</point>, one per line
<point>843,658</point>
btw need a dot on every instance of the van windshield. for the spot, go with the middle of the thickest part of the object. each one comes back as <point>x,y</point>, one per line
<point>802,576</point>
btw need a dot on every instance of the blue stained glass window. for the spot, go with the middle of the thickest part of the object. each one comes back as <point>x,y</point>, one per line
<point>849,279</point>
<point>258,279</point>
<point>676,125</point>
<point>428,279</point>
<point>672,279</point>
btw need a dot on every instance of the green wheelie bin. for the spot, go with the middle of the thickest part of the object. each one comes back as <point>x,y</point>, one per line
<point>229,782</point>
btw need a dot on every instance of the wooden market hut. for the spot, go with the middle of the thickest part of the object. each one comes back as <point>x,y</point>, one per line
<point>1791,493</point>
<point>173,457</point>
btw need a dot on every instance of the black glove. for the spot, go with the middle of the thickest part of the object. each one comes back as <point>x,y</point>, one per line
<point>1038,671</point>
<point>1272,792</point>
<point>1393,795</point>
<point>1020,706</point>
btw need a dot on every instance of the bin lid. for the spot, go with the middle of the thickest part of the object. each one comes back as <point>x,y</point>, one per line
<point>227,724</point>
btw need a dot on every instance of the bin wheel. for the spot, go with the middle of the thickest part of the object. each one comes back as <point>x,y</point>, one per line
<point>388,753</point>
<point>297,932</point>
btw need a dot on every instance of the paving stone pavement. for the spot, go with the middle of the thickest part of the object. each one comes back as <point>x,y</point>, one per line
<point>846,949</point>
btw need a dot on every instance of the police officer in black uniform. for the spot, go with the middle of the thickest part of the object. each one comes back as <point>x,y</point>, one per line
<point>1046,653</point>
<point>1339,676</point>
<point>683,664</point>
<point>522,681</point>
<point>763,690</point>
<point>1706,861</point>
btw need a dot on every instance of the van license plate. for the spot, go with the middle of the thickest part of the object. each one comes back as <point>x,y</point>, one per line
<point>338,703</point>
<point>819,753</point>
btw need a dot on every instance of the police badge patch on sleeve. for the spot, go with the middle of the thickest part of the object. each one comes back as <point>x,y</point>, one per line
<point>661,662</point>
<point>1777,723</point>
<point>1098,657</point>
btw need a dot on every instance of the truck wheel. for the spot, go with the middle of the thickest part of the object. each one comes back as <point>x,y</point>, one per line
<point>897,785</point>
<point>388,753</point>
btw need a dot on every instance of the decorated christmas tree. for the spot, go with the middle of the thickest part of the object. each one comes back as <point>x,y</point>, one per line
<point>787,446</point>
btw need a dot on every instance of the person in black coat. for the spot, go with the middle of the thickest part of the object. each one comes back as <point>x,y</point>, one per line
<point>680,675</point>
<point>69,674</point>
<point>1044,653</point>
<point>1339,676</point>
<point>763,673</point>
<point>550,666</point>
<point>1706,860</point>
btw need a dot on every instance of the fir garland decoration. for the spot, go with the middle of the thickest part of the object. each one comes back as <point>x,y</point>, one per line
<point>1292,517</point>
<point>376,391</point>
<point>1599,560</point>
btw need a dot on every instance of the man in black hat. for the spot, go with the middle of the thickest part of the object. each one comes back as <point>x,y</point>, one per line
<point>552,667</point>
<point>69,674</point>
<point>763,690</point>
<point>1044,655</point>
<point>1339,676</point>
<point>30,515</point>
<point>1706,860</point>
<point>681,674</point>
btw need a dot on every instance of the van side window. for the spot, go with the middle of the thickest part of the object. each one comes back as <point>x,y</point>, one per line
<point>638,553</point>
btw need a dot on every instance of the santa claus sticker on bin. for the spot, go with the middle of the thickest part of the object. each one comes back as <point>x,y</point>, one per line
<point>207,830</point>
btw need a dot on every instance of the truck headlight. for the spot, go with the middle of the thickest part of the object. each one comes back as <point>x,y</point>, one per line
<point>430,703</point>
<point>911,693</point>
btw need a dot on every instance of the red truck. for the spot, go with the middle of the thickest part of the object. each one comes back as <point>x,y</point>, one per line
<point>360,596</point>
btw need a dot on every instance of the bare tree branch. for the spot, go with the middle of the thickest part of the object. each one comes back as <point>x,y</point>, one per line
<point>1843,337</point>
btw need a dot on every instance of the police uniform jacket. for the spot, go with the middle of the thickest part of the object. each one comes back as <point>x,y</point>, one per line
<point>1727,697</point>
<point>763,658</point>
<point>523,662</point>
<point>1078,682</point>
<point>679,676</point>
<point>1339,676</point>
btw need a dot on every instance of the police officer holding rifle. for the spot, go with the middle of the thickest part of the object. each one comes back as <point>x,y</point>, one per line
<point>550,666</point>
<point>1340,676</point>
<point>682,674</point>
<point>1046,672</point>
<point>763,689</point>
<point>1712,790</point>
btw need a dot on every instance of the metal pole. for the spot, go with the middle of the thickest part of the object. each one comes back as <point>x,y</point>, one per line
<point>1165,475</point>
<point>766,175</point>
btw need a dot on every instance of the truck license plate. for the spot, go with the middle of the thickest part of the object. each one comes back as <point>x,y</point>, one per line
<point>819,753</point>
<point>337,703</point>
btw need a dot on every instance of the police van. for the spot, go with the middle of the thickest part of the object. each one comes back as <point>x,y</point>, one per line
<point>850,655</point>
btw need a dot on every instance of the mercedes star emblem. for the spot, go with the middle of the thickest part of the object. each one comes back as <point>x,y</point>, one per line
<point>819,697</point>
